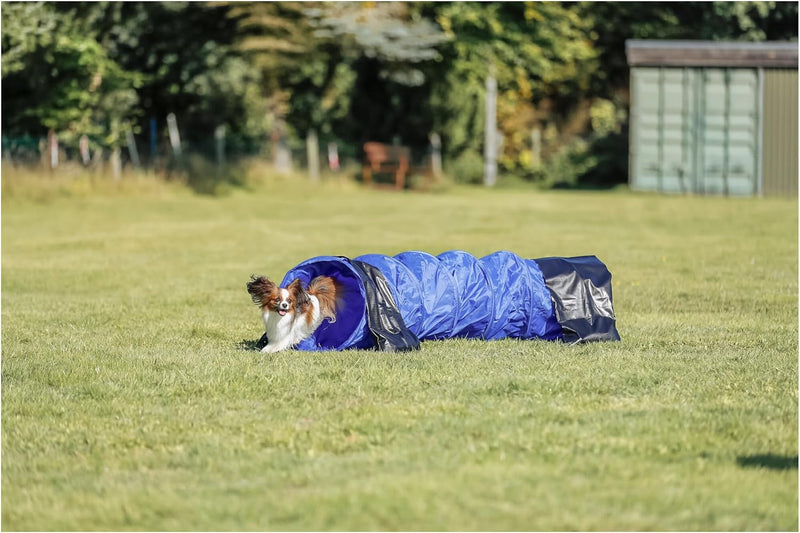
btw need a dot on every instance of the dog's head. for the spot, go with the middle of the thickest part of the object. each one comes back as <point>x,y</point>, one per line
<point>270,297</point>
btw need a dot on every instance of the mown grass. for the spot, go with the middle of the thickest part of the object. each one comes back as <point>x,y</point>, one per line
<point>131,401</point>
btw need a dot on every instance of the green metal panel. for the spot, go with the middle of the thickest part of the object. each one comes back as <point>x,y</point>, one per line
<point>780,132</point>
<point>643,132</point>
<point>694,130</point>
<point>729,139</point>
<point>662,132</point>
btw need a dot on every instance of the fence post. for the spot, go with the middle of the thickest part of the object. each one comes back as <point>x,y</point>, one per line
<point>153,141</point>
<point>83,148</point>
<point>312,149</point>
<point>490,136</point>
<point>219,141</point>
<point>282,157</point>
<point>116,159</point>
<point>97,160</point>
<point>536,147</point>
<point>174,134</point>
<point>43,152</point>
<point>333,156</point>
<point>116,163</point>
<point>436,153</point>
<point>132,150</point>
<point>52,148</point>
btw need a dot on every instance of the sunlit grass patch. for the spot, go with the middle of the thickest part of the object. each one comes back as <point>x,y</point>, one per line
<point>131,401</point>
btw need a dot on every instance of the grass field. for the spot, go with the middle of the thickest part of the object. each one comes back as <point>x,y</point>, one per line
<point>130,401</point>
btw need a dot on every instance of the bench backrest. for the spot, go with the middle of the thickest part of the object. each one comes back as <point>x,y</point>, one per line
<point>378,153</point>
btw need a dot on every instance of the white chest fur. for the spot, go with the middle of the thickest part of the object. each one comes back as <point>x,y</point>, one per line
<point>285,331</point>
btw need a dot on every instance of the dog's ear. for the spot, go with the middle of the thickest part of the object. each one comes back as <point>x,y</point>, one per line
<point>260,289</point>
<point>298,293</point>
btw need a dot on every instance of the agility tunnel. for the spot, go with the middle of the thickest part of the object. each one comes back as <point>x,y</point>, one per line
<point>393,303</point>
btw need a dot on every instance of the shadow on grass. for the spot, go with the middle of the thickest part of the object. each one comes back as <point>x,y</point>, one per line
<point>253,345</point>
<point>768,460</point>
<point>204,176</point>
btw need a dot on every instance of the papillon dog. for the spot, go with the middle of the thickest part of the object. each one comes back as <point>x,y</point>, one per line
<point>292,313</point>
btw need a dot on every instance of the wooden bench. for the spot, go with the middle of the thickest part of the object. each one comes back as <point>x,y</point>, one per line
<point>386,159</point>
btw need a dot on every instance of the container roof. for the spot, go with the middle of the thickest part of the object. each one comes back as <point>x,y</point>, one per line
<point>770,54</point>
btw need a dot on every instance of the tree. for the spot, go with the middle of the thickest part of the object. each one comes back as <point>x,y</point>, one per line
<point>186,55</point>
<point>303,81</point>
<point>614,22</point>
<point>351,71</point>
<point>354,71</point>
<point>392,51</point>
<point>99,68</point>
<point>58,78</point>
<point>543,59</point>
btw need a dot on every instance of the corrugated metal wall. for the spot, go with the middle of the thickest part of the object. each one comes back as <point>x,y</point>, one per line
<point>728,136</point>
<point>694,130</point>
<point>780,132</point>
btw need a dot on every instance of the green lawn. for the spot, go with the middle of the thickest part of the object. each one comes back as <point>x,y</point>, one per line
<point>129,401</point>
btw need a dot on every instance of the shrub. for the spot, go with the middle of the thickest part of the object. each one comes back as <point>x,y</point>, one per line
<point>466,168</point>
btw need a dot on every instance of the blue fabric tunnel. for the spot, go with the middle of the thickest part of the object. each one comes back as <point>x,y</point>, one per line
<point>392,303</point>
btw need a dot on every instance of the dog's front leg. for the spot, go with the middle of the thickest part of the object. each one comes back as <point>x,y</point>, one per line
<point>274,347</point>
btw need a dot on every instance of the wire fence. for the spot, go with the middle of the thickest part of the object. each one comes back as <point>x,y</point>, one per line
<point>41,151</point>
<point>51,153</point>
<point>203,162</point>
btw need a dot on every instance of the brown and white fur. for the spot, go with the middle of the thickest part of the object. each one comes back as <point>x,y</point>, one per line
<point>292,313</point>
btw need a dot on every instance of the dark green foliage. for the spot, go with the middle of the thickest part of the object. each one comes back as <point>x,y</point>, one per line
<point>382,71</point>
<point>611,153</point>
<point>55,76</point>
<point>614,22</point>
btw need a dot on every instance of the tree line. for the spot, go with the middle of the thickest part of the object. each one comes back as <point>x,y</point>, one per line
<point>353,72</point>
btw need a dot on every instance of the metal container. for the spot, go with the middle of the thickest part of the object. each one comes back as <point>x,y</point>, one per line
<point>713,118</point>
